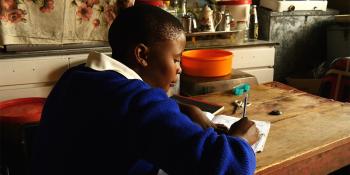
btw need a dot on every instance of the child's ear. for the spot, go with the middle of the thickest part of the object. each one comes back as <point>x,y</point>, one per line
<point>141,52</point>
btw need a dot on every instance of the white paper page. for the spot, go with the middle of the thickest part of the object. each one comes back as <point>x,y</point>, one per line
<point>263,127</point>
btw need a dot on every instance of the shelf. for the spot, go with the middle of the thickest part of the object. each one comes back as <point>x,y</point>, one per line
<point>193,34</point>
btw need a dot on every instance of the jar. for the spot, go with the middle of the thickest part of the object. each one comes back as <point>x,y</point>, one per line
<point>242,26</point>
<point>239,9</point>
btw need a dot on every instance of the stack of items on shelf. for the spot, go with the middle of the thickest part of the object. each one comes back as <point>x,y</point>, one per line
<point>210,70</point>
<point>235,19</point>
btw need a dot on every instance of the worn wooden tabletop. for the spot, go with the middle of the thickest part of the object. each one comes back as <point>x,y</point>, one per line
<point>312,136</point>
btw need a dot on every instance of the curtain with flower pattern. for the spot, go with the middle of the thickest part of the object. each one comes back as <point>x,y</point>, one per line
<point>55,21</point>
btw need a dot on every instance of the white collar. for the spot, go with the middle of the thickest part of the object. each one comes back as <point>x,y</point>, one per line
<point>102,62</point>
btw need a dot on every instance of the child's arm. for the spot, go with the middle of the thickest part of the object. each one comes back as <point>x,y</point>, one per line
<point>163,135</point>
<point>196,115</point>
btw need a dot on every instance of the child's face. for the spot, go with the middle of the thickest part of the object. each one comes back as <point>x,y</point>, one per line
<point>164,63</point>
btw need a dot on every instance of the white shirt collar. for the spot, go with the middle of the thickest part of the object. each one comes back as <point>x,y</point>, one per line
<point>102,62</point>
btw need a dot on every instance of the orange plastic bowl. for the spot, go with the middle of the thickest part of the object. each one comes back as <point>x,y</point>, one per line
<point>21,110</point>
<point>207,62</point>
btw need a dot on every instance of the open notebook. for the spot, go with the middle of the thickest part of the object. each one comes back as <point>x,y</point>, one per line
<point>263,127</point>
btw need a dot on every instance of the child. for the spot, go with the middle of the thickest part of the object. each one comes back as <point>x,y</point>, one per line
<point>112,115</point>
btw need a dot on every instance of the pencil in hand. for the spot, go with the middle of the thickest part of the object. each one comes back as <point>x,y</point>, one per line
<point>245,105</point>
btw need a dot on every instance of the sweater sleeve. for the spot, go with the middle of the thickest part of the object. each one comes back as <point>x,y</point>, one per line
<point>159,133</point>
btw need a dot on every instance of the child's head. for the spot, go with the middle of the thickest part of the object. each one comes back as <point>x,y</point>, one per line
<point>150,41</point>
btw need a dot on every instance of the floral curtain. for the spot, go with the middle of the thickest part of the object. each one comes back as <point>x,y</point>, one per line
<point>55,21</point>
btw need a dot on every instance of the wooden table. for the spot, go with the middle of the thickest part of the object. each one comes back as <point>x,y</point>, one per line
<point>312,136</point>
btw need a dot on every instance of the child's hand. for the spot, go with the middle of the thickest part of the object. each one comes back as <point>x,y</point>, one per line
<point>196,115</point>
<point>246,129</point>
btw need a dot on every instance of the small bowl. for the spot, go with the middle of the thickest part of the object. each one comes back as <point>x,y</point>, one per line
<point>207,62</point>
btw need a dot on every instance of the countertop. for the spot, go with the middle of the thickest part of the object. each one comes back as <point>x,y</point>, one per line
<point>199,44</point>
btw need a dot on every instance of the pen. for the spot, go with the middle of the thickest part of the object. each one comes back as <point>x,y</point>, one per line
<point>245,105</point>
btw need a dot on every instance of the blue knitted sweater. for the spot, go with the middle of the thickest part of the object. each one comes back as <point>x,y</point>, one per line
<point>99,122</point>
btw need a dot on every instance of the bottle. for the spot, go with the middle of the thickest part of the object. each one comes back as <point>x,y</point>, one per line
<point>187,23</point>
<point>183,8</point>
<point>253,23</point>
<point>176,7</point>
<point>227,17</point>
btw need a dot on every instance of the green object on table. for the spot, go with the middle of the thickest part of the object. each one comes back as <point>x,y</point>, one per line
<point>240,89</point>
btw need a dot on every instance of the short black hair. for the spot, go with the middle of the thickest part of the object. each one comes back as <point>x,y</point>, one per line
<point>141,24</point>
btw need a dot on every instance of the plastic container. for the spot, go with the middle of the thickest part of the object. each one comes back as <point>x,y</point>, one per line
<point>21,110</point>
<point>294,5</point>
<point>157,3</point>
<point>16,116</point>
<point>207,62</point>
<point>239,9</point>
